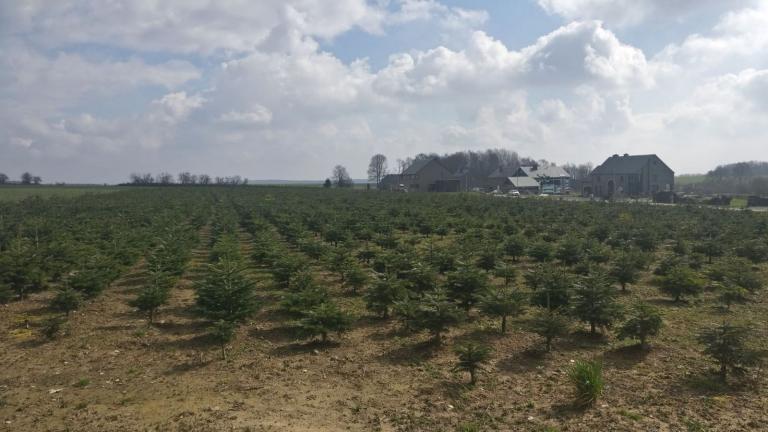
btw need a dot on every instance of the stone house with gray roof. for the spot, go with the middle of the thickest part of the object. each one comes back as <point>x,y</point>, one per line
<point>630,176</point>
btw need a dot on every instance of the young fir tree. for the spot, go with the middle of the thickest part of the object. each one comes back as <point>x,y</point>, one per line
<point>624,270</point>
<point>222,332</point>
<point>502,303</point>
<point>506,272</point>
<point>436,313</point>
<point>541,251</point>
<point>570,251</point>
<point>323,319</point>
<point>595,302</point>
<point>299,302</point>
<point>357,278</point>
<point>66,300</point>
<point>487,259</point>
<point>464,284</point>
<point>226,293</point>
<point>471,359</point>
<point>382,294</point>
<point>727,345</point>
<point>406,310</point>
<point>680,281</point>
<point>150,299</point>
<point>550,325</point>
<point>515,246</point>
<point>551,287</point>
<point>729,293</point>
<point>644,321</point>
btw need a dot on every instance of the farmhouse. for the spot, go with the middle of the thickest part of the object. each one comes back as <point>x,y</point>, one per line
<point>429,175</point>
<point>637,175</point>
<point>551,178</point>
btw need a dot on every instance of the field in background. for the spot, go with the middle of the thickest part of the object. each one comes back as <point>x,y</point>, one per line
<point>689,179</point>
<point>16,193</point>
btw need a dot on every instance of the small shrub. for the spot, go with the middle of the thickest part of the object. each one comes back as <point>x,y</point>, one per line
<point>587,378</point>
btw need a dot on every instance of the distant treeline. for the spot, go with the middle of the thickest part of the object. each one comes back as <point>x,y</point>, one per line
<point>746,178</point>
<point>25,179</point>
<point>183,178</point>
<point>483,163</point>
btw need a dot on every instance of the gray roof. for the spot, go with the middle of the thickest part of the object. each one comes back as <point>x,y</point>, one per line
<point>627,164</point>
<point>552,171</point>
<point>523,182</point>
<point>418,165</point>
<point>502,171</point>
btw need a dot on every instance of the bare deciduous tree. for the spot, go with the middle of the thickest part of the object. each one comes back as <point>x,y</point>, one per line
<point>165,178</point>
<point>377,168</point>
<point>341,177</point>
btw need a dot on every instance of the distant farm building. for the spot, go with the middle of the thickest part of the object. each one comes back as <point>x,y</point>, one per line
<point>429,175</point>
<point>551,178</point>
<point>630,176</point>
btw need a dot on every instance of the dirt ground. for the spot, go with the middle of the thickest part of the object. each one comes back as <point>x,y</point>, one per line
<point>111,372</point>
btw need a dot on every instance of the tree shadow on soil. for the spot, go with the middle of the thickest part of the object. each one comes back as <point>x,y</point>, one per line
<point>180,328</point>
<point>580,339</point>
<point>389,333</point>
<point>667,302</point>
<point>302,348</point>
<point>117,327</point>
<point>568,410</point>
<point>480,335</point>
<point>414,353</point>
<point>182,368</point>
<point>708,383</point>
<point>196,342</point>
<point>275,335</point>
<point>626,357</point>
<point>523,361</point>
<point>131,281</point>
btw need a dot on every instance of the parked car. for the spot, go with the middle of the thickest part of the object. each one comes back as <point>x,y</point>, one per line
<point>514,193</point>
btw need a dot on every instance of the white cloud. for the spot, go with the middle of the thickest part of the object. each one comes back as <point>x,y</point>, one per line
<point>258,115</point>
<point>738,38</point>
<point>630,12</point>
<point>572,55</point>
<point>190,26</point>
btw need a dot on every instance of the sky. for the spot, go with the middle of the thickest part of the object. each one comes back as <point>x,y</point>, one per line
<point>91,91</point>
